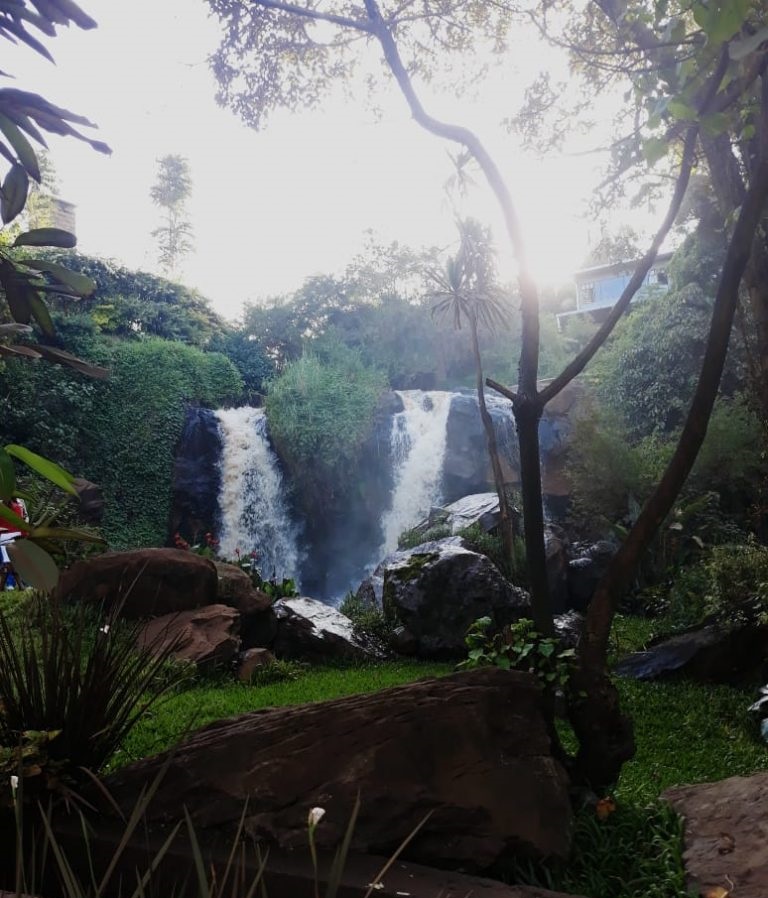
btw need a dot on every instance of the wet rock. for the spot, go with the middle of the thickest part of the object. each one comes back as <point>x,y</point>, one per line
<point>196,476</point>
<point>144,582</point>
<point>207,636</point>
<point>726,852</point>
<point>497,792</point>
<point>437,590</point>
<point>714,653</point>
<point>309,630</point>
<point>236,588</point>
<point>585,571</point>
<point>568,628</point>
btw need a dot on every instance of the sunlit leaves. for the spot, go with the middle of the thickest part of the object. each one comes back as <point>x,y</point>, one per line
<point>43,466</point>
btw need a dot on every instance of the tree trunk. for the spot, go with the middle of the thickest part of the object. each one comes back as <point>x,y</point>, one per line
<point>527,411</point>
<point>506,522</point>
<point>596,716</point>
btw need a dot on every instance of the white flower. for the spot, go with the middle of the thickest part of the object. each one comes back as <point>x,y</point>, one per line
<point>104,629</point>
<point>315,816</point>
<point>14,783</point>
<point>378,885</point>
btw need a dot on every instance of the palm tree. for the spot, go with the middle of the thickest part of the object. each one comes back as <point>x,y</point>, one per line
<point>466,290</point>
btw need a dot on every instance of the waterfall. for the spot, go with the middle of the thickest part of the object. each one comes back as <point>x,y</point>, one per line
<point>253,506</point>
<point>417,440</point>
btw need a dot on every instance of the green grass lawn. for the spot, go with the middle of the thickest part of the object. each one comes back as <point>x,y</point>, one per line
<point>193,708</point>
<point>685,733</point>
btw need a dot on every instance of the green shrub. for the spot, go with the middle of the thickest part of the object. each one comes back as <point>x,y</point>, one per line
<point>490,545</point>
<point>519,647</point>
<point>409,539</point>
<point>71,689</point>
<point>369,620</point>
<point>320,412</point>
<point>135,426</point>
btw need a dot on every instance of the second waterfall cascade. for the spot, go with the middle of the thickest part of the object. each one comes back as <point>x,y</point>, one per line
<point>418,448</point>
<point>254,511</point>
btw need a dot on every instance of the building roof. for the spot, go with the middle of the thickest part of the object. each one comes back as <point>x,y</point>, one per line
<point>614,267</point>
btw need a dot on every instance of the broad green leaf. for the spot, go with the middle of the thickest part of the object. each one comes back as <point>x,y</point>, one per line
<point>7,476</point>
<point>682,111</point>
<point>73,533</point>
<point>21,145</point>
<point>10,517</point>
<point>43,466</point>
<point>81,284</point>
<point>17,297</point>
<point>42,315</point>
<point>715,124</point>
<point>34,565</point>
<point>71,361</point>
<point>24,352</point>
<point>654,148</point>
<point>14,193</point>
<point>47,237</point>
<point>738,50</point>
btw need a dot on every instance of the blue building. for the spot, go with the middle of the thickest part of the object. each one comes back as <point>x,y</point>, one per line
<point>598,289</point>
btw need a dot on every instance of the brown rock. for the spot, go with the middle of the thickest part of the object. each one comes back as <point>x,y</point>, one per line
<point>148,582</point>
<point>726,834</point>
<point>207,636</point>
<point>252,660</point>
<point>236,589</point>
<point>471,748</point>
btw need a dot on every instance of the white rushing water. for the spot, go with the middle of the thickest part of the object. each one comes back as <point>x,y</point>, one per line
<point>418,448</point>
<point>252,502</point>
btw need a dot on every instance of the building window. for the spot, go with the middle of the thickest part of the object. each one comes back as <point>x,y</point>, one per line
<point>587,294</point>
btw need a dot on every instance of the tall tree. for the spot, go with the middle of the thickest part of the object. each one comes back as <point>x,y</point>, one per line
<point>466,291</point>
<point>170,192</point>
<point>269,58</point>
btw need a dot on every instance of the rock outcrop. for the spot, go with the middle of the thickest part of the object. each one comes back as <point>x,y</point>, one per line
<point>308,630</point>
<point>726,850</point>
<point>471,750</point>
<point>713,653</point>
<point>144,582</point>
<point>206,636</point>
<point>438,589</point>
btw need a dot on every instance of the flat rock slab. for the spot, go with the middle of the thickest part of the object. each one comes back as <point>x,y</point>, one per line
<point>472,750</point>
<point>726,834</point>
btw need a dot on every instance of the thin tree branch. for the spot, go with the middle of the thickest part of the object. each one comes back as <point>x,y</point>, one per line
<point>578,364</point>
<point>305,13</point>
<point>529,357</point>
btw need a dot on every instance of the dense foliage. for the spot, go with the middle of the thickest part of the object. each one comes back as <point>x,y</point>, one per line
<point>320,412</point>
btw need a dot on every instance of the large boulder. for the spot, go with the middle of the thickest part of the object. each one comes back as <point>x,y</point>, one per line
<point>472,749</point>
<point>258,624</point>
<point>438,589</point>
<point>207,636</point>
<point>714,653</point>
<point>143,582</point>
<point>309,630</point>
<point>726,851</point>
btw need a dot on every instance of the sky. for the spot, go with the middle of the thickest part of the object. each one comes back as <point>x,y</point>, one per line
<point>271,208</point>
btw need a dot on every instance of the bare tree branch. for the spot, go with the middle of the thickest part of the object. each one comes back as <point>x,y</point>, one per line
<point>306,13</point>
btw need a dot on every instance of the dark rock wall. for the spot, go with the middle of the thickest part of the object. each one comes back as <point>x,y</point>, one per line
<point>196,477</point>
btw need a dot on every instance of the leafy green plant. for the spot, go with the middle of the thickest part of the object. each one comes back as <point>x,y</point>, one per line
<point>409,539</point>
<point>81,681</point>
<point>489,544</point>
<point>368,619</point>
<point>519,647</point>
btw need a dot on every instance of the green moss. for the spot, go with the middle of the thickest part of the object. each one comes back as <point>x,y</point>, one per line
<point>413,569</point>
